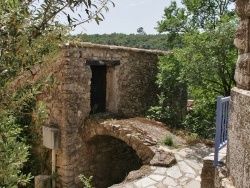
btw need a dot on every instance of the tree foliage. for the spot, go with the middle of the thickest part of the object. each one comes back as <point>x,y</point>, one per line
<point>193,15</point>
<point>171,108</point>
<point>205,31</point>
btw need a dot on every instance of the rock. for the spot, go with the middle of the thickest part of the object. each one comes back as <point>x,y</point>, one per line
<point>163,158</point>
<point>137,174</point>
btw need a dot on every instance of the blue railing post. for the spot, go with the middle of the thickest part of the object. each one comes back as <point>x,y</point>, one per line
<point>222,115</point>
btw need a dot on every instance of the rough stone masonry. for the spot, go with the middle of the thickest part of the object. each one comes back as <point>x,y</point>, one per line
<point>93,78</point>
<point>238,160</point>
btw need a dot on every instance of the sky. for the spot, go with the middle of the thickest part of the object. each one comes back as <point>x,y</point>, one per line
<point>127,16</point>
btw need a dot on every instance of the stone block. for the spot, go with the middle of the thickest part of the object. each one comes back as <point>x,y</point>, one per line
<point>208,172</point>
<point>163,158</point>
<point>241,35</point>
<point>243,8</point>
<point>242,72</point>
<point>43,181</point>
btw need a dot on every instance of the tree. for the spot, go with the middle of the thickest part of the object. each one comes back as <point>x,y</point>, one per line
<point>141,31</point>
<point>195,15</point>
<point>205,30</point>
<point>30,30</point>
<point>171,108</point>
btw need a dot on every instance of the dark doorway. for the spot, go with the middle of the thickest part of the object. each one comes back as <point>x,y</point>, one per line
<point>98,89</point>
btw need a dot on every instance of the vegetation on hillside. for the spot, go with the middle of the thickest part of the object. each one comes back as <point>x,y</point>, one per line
<point>132,40</point>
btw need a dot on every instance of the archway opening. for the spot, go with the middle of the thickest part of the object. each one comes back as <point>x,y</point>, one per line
<point>111,160</point>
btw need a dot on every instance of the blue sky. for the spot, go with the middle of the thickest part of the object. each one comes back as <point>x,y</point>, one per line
<point>127,16</point>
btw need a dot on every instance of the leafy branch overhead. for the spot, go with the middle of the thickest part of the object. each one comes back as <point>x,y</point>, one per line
<point>30,29</point>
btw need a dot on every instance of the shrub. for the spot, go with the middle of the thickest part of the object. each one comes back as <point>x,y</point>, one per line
<point>192,138</point>
<point>168,140</point>
<point>13,154</point>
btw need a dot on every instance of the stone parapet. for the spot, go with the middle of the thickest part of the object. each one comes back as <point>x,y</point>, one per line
<point>209,175</point>
<point>238,162</point>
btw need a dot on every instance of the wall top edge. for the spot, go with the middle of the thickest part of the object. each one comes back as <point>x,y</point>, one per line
<point>241,91</point>
<point>111,47</point>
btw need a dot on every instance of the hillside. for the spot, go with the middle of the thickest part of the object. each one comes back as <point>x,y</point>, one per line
<point>158,41</point>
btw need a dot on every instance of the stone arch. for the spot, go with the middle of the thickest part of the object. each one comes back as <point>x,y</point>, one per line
<point>132,137</point>
<point>110,160</point>
<point>113,151</point>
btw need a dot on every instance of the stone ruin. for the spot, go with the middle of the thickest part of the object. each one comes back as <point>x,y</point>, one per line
<point>94,79</point>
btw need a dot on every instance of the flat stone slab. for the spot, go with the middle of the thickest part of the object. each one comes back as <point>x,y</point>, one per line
<point>185,168</point>
<point>145,182</point>
<point>174,172</point>
<point>193,184</point>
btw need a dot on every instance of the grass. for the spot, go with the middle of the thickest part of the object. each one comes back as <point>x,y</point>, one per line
<point>168,140</point>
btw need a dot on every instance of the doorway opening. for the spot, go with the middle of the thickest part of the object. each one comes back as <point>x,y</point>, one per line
<point>98,89</point>
<point>104,86</point>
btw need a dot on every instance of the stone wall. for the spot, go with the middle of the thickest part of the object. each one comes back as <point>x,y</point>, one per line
<point>239,143</point>
<point>238,162</point>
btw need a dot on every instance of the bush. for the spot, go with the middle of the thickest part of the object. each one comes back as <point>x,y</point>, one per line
<point>201,120</point>
<point>168,140</point>
<point>13,154</point>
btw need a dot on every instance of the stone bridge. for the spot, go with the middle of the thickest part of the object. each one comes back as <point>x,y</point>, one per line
<point>88,79</point>
<point>113,148</point>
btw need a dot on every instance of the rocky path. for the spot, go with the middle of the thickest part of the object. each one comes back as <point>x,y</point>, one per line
<point>184,174</point>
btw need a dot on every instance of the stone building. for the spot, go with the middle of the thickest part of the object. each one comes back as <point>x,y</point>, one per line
<point>89,79</point>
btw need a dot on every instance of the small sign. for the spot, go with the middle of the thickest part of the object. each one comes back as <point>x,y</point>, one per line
<point>51,137</point>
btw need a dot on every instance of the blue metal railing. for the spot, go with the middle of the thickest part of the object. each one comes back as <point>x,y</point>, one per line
<point>222,116</point>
